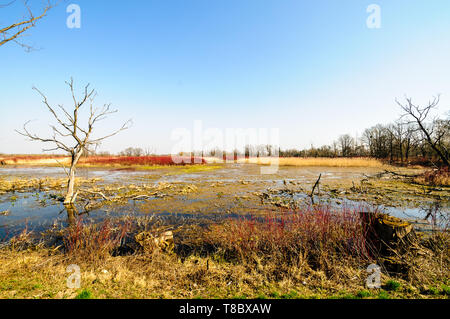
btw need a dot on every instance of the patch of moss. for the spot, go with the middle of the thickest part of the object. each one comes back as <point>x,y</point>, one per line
<point>383,295</point>
<point>433,291</point>
<point>274,294</point>
<point>85,294</point>
<point>291,295</point>
<point>363,294</point>
<point>392,285</point>
<point>445,290</point>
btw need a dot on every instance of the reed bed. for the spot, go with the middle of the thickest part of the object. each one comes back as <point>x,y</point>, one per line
<point>314,161</point>
<point>34,160</point>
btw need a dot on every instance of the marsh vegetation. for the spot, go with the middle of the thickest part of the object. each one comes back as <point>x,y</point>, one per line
<point>229,232</point>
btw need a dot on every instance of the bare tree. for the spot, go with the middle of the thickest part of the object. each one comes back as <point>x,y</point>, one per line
<point>149,151</point>
<point>433,134</point>
<point>346,142</point>
<point>132,151</point>
<point>410,139</point>
<point>16,30</point>
<point>70,129</point>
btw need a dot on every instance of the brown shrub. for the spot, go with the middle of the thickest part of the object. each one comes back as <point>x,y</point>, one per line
<point>438,177</point>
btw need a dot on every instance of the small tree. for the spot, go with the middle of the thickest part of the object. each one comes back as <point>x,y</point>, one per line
<point>70,129</point>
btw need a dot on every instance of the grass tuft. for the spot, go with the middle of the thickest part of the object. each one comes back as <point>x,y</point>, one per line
<point>84,294</point>
<point>392,285</point>
<point>363,294</point>
<point>383,295</point>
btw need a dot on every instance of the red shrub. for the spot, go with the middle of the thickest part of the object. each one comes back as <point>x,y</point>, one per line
<point>318,232</point>
<point>94,241</point>
<point>141,160</point>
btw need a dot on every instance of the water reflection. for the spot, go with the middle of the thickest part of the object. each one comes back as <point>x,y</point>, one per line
<point>72,213</point>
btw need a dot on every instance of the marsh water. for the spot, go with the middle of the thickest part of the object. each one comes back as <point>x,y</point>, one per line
<point>223,191</point>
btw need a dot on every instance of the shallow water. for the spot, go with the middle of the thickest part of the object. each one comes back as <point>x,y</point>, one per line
<point>36,212</point>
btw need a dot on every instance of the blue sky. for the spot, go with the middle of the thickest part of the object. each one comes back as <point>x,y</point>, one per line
<point>310,68</point>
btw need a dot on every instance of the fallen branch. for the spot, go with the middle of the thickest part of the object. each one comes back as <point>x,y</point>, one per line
<point>96,193</point>
<point>314,187</point>
<point>402,175</point>
<point>141,196</point>
<point>155,194</point>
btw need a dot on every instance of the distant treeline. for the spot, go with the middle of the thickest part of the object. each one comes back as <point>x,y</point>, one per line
<point>396,142</point>
<point>408,139</point>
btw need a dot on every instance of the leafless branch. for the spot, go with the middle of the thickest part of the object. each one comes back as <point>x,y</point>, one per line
<point>419,115</point>
<point>13,32</point>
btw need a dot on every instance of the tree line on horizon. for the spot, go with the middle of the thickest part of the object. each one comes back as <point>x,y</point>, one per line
<point>410,138</point>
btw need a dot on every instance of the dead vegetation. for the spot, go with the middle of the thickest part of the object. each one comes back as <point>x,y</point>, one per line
<point>320,252</point>
<point>39,184</point>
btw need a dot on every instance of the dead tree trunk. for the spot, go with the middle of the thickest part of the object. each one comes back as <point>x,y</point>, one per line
<point>314,188</point>
<point>70,197</point>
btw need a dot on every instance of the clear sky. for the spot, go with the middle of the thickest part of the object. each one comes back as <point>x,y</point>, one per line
<point>313,69</point>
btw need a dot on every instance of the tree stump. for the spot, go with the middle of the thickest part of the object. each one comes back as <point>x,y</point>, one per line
<point>150,241</point>
<point>388,238</point>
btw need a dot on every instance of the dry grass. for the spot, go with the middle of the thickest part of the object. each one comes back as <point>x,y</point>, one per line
<point>259,271</point>
<point>314,161</point>
<point>20,184</point>
<point>35,160</point>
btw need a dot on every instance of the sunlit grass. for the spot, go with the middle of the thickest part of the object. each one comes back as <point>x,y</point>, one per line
<point>315,161</point>
<point>195,169</point>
